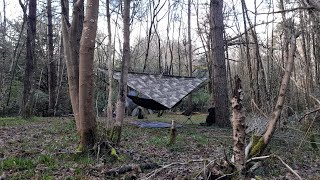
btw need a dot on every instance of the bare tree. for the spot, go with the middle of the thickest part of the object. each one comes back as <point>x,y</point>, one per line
<point>31,63</point>
<point>52,75</point>
<point>71,33</point>
<point>154,11</point>
<point>110,64</point>
<point>120,111</point>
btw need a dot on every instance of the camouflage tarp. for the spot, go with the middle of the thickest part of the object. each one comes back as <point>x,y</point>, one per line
<point>164,89</point>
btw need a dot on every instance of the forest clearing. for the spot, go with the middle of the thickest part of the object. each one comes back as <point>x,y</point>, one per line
<point>44,149</point>
<point>163,89</point>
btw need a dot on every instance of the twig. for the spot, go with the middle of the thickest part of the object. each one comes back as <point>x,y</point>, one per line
<point>153,173</point>
<point>258,158</point>
<point>288,10</point>
<point>205,167</point>
<point>256,106</point>
<point>308,113</point>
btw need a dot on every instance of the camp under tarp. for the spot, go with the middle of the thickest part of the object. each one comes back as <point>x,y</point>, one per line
<point>158,91</point>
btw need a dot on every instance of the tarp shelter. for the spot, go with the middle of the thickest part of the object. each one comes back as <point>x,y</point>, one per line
<point>158,91</point>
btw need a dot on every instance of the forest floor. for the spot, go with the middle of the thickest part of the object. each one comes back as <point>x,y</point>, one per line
<point>44,148</point>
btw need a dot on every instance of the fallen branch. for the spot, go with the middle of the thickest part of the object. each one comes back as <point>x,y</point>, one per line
<point>153,173</point>
<point>287,166</point>
<point>125,169</point>
<point>278,157</point>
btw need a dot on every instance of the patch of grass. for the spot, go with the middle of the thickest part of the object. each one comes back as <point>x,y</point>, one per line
<point>15,121</point>
<point>17,163</point>
<point>83,159</point>
<point>158,141</point>
<point>47,160</point>
<point>47,177</point>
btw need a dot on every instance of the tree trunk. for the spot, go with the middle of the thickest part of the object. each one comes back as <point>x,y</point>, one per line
<point>110,65</point>
<point>71,44</point>
<point>220,92</point>
<point>52,75</point>
<point>31,63</point>
<point>189,51</point>
<point>248,56</point>
<point>120,111</point>
<point>238,126</point>
<point>87,44</point>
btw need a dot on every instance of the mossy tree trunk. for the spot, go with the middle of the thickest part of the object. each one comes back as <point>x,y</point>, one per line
<point>120,111</point>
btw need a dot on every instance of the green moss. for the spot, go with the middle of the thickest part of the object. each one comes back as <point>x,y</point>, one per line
<point>80,149</point>
<point>256,147</point>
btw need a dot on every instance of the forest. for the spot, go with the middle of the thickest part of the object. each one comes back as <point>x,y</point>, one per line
<point>163,89</point>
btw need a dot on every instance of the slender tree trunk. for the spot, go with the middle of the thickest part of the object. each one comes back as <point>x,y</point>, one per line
<point>110,66</point>
<point>15,58</point>
<point>60,73</point>
<point>248,56</point>
<point>220,90</point>
<point>120,111</point>
<point>189,50</point>
<point>31,63</point>
<point>71,43</point>
<point>159,50</point>
<point>52,75</point>
<point>285,36</point>
<point>87,44</point>
<point>259,147</point>
<point>153,13</point>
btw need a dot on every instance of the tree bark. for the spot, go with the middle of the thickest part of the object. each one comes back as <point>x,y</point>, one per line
<point>238,126</point>
<point>71,44</point>
<point>120,111</point>
<point>87,46</point>
<point>52,75</point>
<point>220,92</point>
<point>110,65</point>
<point>31,63</point>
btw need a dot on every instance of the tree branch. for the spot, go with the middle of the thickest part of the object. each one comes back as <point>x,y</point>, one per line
<point>306,114</point>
